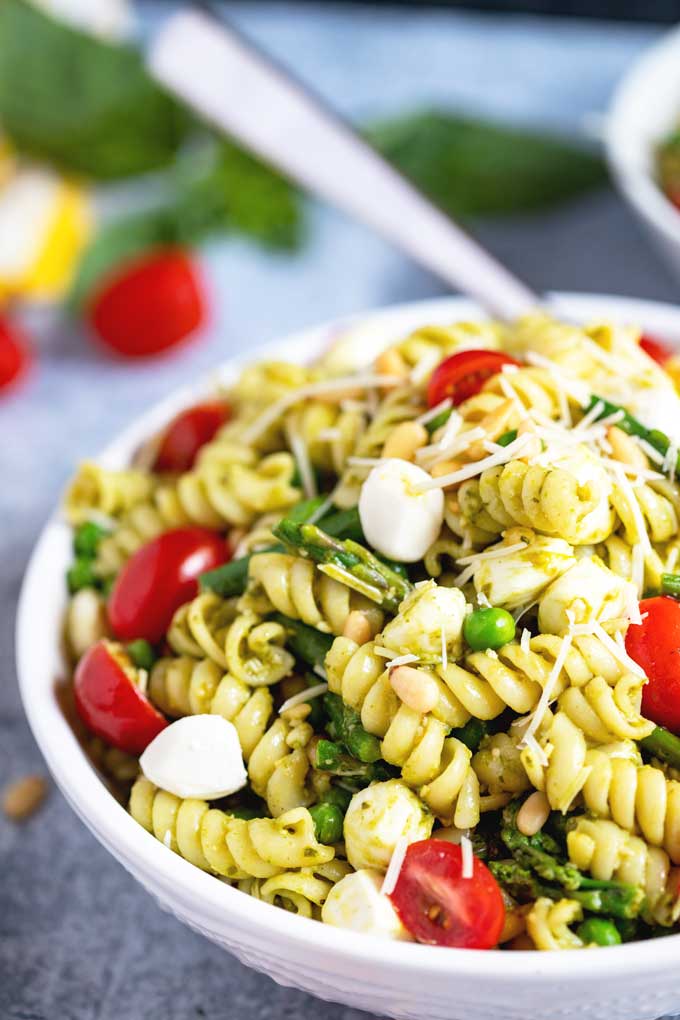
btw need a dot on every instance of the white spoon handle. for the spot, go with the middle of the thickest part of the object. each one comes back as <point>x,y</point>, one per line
<point>231,84</point>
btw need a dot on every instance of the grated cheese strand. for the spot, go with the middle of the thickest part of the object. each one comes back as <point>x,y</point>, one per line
<point>468,857</point>
<point>547,691</point>
<point>301,454</point>
<point>470,470</point>
<point>302,696</point>
<point>432,413</point>
<point>492,554</point>
<point>394,867</point>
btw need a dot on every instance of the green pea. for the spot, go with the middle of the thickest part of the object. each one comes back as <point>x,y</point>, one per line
<point>337,796</point>
<point>328,821</point>
<point>87,538</point>
<point>80,575</point>
<point>599,931</point>
<point>471,734</point>
<point>507,438</point>
<point>488,628</point>
<point>141,653</point>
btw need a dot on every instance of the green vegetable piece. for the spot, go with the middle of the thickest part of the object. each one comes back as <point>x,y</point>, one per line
<point>81,575</point>
<point>308,644</point>
<point>87,538</point>
<point>488,628</point>
<point>328,823</point>
<point>344,524</point>
<point>142,653</point>
<point>336,795</point>
<point>80,102</point>
<point>632,427</point>
<point>670,584</point>
<point>331,757</point>
<point>302,511</point>
<point>436,423</point>
<point>471,734</point>
<point>477,168</point>
<point>247,813</point>
<point>346,561</point>
<point>664,745</point>
<point>347,729</point>
<point>507,438</point>
<point>617,900</point>
<point>539,853</point>
<point>600,931</point>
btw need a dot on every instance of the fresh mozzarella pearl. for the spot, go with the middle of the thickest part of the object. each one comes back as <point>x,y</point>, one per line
<point>357,903</point>
<point>378,817</point>
<point>198,756</point>
<point>400,521</point>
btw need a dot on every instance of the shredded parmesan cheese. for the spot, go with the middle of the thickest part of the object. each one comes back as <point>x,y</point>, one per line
<point>529,741</point>
<point>394,867</point>
<point>495,553</point>
<point>468,857</point>
<point>302,696</point>
<point>616,650</point>
<point>636,513</point>
<point>546,694</point>
<point>524,641</point>
<point>319,670</point>
<point>470,470</point>
<point>432,413</point>
<point>402,660</point>
<point>301,454</point>
<point>574,388</point>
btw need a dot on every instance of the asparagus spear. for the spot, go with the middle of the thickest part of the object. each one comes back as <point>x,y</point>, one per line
<point>613,898</point>
<point>306,642</point>
<point>345,727</point>
<point>629,424</point>
<point>539,853</point>
<point>331,757</point>
<point>346,561</point>
<point>670,584</point>
<point>664,745</point>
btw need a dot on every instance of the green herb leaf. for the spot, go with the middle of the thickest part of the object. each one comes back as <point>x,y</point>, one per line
<point>476,168</point>
<point>80,102</point>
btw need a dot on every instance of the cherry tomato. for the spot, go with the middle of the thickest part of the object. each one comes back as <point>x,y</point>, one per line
<point>159,578</point>
<point>656,349</point>
<point>150,305</point>
<point>655,645</point>
<point>440,907</point>
<point>463,374</point>
<point>110,703</point>
<point>187,433</point>
<point>15,354</point>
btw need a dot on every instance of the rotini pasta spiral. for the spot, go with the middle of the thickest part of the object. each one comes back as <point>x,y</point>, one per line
<point>434,343</point>
<point>548,924</point>
<point>296,588</point>
<point>329,433</point>
<point>95,490</point>
<point>302,892</point>
<point>569,499</point>
<point>250,649</point>
<point>218,842</point>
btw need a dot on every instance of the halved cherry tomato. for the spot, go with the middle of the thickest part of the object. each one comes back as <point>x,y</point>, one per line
<point>159,578</point>
<point>656,349</point>
<point>187,433</point>
<point>110,703</point>
<point>463,374</point>
<point>655,645</point>
<point>15,356</point>
<point>440,907</point>
<point>150,305</point>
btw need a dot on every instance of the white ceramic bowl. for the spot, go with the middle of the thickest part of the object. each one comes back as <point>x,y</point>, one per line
<point>631,982</point>
<point>644,108</point>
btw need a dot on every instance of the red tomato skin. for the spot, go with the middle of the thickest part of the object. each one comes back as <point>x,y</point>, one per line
<point>159,578</point>
<point>149,306</point>
<point>110,704</point>
<point>655,645</point>
<point>187,433</point>
<point>463,374</point>
<point>15,354</point>
<point>478,899</point>
<point>656,349</point>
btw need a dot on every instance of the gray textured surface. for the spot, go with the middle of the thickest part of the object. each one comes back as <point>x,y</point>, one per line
<point>78,939</point>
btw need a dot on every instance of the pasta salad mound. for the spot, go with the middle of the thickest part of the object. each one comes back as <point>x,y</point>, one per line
<point>394,645</point>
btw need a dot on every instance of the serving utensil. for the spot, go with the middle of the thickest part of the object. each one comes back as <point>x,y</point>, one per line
<point>230,83</point>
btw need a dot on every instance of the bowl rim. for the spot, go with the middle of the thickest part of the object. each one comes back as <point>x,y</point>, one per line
<point>658,61</point>
<point>198,892</point>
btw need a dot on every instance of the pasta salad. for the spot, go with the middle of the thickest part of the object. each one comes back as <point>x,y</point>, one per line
<point>393,645</point>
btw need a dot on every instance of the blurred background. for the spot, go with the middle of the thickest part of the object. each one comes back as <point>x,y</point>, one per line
<point>138,249</point>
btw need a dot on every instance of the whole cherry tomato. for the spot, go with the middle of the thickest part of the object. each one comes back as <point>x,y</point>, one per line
<point>440,907</point>
<point>656,349</point>
<point>110,703</point>
<point>463,374</point>
<point>149,306</point>
<point>655,645</point>
<point>15,354</point>
<point>159,578</point>
<point>187,433</point>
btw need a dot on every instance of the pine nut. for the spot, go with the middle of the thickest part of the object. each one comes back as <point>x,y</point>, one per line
<point>625,449</point>
<point>533,814</point>
<point>24,796</point>
<point>357,628</point>
<point>415,688</point>
<point>405,439</point>
<point>514,925</point>
<point>390,362</point>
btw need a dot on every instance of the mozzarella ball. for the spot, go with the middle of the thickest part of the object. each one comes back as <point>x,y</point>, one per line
<point>198,756</point>
<point>357,903</point>
<point>398,520</point>
<point>377,817</point>
<point>424,615</point>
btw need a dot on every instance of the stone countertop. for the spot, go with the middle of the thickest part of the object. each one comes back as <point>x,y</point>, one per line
<point>79,939</point>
